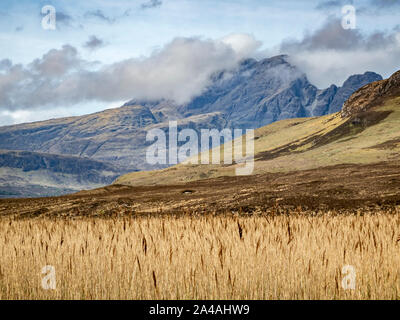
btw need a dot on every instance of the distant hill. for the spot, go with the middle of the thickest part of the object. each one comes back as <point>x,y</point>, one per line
<point>366,131</point>
<point>116,136</point>
<point>26,174</point>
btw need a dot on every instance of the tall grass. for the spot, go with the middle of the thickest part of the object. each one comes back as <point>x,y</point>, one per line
<point>281,257</point>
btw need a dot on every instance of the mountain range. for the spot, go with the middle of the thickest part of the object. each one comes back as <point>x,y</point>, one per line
<point>341,163</point>
<point>261,92</point>
<point>257,93</point>
<point>364,132</point>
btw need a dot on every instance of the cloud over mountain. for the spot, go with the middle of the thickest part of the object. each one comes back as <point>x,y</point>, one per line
<point>331,53</point>
<point>178,71</point>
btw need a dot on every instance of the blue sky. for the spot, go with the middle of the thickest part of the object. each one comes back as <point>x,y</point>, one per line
<point>137,32</point>
<point>133,29</point>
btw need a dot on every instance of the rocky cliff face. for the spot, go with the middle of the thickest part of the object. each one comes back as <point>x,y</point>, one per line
<point>257,94</point>
<point>262,92</point>
<point>352,84</point>
<point>371,95</point>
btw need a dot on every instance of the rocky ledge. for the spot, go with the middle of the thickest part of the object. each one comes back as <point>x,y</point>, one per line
<point>371,95</point>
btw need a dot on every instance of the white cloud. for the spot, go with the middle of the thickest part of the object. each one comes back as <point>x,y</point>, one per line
<point>331,54</point>
<point>324,67</point>
<point>179,71</point>
<point>243,44</point>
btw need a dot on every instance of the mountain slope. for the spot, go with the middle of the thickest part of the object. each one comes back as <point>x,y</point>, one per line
<point>24,173</point>
<point>365,131</point>
<point>117,136</point>
<point>101,136</point>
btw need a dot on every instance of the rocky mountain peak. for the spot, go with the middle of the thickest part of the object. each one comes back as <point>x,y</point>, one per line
<point>274,61</point>
<point>371,95</point>
<point>352,84</point>
<point>393,83</point>
<point>366,77</point>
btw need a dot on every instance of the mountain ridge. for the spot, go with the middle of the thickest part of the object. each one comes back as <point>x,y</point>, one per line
<point>256,94</point>
<point>24,173</point>
<point>262,92</point>
<point>371,95</point>
<point>363,136</point>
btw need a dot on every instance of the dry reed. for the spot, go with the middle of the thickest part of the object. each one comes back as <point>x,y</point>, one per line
<point>281,257</point>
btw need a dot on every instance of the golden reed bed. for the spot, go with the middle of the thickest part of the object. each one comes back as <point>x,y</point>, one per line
<point>281,257</point>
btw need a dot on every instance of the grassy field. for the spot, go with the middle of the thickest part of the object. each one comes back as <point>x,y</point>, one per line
<point>209,257</point>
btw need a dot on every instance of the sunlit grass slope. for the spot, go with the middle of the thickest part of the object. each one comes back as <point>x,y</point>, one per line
<point>300,144</point>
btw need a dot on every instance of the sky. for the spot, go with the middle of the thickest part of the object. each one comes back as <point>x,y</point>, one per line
<point>103,53</point>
